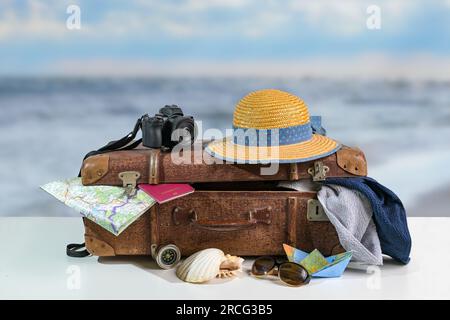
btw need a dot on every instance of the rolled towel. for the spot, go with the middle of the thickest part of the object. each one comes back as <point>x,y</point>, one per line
<point>351,214</point>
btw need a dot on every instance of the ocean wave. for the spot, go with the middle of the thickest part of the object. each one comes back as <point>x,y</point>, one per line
<point>48,124</point>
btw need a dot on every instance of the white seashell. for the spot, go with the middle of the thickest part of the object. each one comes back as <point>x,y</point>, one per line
<point>202,266</point>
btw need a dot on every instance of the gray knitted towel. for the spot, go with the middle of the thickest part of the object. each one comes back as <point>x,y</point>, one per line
<point>351,214</point>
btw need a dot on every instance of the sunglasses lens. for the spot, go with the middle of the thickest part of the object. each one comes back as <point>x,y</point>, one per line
<point>263,265</point>
<point>293,274</point>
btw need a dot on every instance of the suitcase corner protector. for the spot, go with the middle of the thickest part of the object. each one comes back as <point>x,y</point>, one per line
<point>98,247</point>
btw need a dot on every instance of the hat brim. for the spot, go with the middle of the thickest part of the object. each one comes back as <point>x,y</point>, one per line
<point>317,147</point>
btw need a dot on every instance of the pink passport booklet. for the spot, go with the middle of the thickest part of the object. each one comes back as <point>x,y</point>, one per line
<point>165,192</point>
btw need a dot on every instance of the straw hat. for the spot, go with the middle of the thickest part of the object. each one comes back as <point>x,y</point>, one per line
<point>272,126</point>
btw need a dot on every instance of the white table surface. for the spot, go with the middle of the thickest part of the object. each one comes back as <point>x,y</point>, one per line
<point>33,265</point>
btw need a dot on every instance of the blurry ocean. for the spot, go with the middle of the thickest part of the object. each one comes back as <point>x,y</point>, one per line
<point>48,124</point>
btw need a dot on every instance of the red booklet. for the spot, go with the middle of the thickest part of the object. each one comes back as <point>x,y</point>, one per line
<point>165,192</point>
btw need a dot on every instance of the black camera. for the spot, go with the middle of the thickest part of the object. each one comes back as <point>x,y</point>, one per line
<point>167,128</point>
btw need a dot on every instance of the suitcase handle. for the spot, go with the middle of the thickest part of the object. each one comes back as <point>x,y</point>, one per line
<point>221,225</point>
<point>253,218</point>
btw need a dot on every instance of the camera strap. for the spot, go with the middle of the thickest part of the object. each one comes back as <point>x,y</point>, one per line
<point>76,250</point>
<point>125,143</point>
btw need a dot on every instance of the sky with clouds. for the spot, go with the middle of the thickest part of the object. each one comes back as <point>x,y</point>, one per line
<point>222,36</point>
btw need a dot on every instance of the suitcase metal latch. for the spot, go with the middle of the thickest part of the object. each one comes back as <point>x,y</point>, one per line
<point>129,179</point>
<point>315,212</point>
<point>319,171</point>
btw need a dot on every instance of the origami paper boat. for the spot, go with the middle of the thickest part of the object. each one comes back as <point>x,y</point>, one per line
<point>316,264</point>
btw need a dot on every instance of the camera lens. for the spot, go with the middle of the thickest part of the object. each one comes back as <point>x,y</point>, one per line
<point>185,132</point>
<point>151,132</point>
<point>176,128</point>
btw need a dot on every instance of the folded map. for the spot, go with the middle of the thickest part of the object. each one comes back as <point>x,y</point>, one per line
<point>107,206</point>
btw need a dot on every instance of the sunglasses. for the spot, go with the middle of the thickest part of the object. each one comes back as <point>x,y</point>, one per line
<point>289,273</point>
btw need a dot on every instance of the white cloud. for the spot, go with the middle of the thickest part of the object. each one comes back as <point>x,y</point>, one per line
<point>364,66</point>
<point>205,5</point>
<point>8,20</point>
<point>348,17</point>
<point>193,5</point>
<point>178,28</point>
<point>198,18</point>
<point>41,19</point>
<point>343,17</point>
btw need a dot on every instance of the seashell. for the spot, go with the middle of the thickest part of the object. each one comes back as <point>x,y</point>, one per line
<point>207,264</point>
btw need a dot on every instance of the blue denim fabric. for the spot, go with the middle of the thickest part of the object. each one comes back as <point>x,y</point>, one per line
<point>276,137</point>
<point>316,125</point>
<point>388,213</point>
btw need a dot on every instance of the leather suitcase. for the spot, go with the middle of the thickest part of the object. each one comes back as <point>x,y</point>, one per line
<point>143,165</point>
<point>248,221</point>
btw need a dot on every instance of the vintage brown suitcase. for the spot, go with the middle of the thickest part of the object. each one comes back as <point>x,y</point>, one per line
<point>131,167</point>
<point>249,220</point>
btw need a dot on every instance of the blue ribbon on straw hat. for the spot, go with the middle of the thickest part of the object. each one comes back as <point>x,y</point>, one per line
<point>273,126</point>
